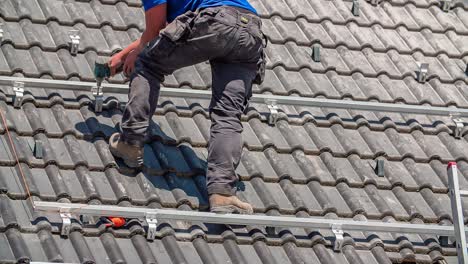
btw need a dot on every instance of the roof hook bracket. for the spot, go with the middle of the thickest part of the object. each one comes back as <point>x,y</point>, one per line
<point>38,149</point>
<point>66,221</point>
<point>379,168</point>
<point>1,33</point>
<point>98,99</point>
<point>74,41</point>
<point>338,232</point>
<point>446,5</point>
<point>355,8</point>
<point>422,71</point>
<point>273,117</point>
<point>316,52</point>
<point>152,222</point>
<point>458,129</point>
<point>18,88</point>
<point>375,2</point>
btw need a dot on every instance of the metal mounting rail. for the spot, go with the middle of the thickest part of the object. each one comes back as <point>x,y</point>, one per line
<point>256,98</point>
<point>41,262</point>
<point>236,219</point>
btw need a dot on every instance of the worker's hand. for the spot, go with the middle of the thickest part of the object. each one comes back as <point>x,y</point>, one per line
<point>129,65</point>
<point>116,62</point>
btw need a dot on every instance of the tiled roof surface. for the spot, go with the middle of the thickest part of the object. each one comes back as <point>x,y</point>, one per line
<point>314,162</point>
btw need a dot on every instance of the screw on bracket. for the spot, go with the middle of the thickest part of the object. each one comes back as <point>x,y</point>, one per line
<point>74,41</point>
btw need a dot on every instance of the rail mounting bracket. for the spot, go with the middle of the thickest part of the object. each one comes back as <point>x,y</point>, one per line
<point>74,41</point>
<point>458,129</point>
<point>1,33</point>
<point>338,232</point>
<point>446,5</point>
<point>18,88</point>
<point>152,222</point>
<point>98,99</point>
<point>379,168</point>
<point>66,221</point>
<point>355,8</point>
<point>273,117</point>
<point>316,52</point>
<point>422,71</point>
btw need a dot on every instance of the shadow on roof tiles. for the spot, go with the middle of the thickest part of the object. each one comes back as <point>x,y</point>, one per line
<point>182,170</point>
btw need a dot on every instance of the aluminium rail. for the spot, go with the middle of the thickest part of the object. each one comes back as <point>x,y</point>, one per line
<point>256,98</point>
<point>238,219</point>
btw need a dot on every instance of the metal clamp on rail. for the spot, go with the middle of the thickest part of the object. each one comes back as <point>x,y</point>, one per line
<point>74,41</point>
<point>98,99</point>
<point>273,117</point>
<point>152,222</point>
<point>66,221</point>
<point>18,88</point>
<point>422,71</point>
<point>458,129</point>
<point>338,232</point>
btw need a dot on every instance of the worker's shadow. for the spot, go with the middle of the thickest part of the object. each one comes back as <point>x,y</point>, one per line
<point>168,166</point>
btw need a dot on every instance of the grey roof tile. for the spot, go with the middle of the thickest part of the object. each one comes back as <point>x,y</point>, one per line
<point>81,12</point>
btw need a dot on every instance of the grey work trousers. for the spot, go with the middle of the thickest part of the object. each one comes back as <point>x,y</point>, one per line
<point>233,43</point>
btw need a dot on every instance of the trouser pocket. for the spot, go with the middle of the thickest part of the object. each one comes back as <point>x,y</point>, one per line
<point>261,63</point>
<point>179,29</point>
<point>174,33</point>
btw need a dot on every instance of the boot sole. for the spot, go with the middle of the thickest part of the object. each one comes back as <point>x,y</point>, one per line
<point>129,162</point>
<point>229,209</point>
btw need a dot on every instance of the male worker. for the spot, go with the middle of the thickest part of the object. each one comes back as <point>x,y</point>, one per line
<point>225,32</point>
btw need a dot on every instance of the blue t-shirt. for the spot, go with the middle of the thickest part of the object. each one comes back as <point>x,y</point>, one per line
<point>178,7</point>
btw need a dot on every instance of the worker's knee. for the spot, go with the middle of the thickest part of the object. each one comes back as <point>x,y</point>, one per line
<point>144,66</point>
<point>225,121</point>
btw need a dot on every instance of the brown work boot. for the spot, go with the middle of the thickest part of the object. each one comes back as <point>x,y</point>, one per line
<point>223,204</point>
<point>131,155</point>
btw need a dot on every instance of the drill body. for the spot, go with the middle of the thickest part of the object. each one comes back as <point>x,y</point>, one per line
<point>101,71</point>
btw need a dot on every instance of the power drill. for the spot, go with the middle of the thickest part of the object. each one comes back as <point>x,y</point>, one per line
<point>101,71</point>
